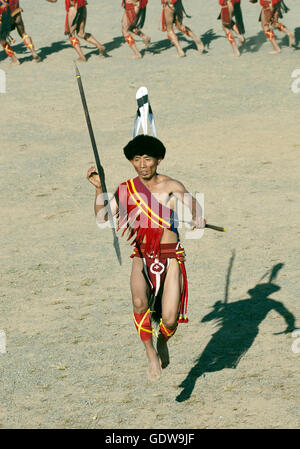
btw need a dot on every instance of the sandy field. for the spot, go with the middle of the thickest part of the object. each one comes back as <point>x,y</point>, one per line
<point>231,128</point>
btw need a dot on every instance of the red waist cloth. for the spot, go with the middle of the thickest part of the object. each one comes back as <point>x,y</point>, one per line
<point>131,15</point>
<point>156,268</point>
<point>78,3</point>
<point>265,3</point>
<point>68,3</point>
<point>13,4</point>
<point>224,2</point>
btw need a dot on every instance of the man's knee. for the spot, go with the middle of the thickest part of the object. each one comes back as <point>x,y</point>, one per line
<point>84,36</point>
<point>169,319</point>
<point>140,304</point>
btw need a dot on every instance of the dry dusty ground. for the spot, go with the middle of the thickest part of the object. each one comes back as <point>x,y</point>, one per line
<point>231,128</point>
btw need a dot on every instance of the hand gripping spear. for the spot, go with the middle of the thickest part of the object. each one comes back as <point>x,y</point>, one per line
<point>99,166</point>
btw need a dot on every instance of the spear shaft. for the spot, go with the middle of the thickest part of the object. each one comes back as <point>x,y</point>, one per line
<point>98,164</point>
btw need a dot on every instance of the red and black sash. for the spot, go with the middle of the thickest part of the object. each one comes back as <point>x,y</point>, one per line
<point>142,215</point>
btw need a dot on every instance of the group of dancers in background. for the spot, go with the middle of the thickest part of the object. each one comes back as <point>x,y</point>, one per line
<point>133,20</point>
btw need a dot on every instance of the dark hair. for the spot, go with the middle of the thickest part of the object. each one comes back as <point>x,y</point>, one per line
<point>144,144</point>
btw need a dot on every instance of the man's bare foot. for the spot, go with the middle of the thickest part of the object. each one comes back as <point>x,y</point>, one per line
<point>15,61</point>
<point>36,58</point>
<point>235,53</point>
<point>274,52</point>
<point>137,56</point>
<point>163,352</point>
<point>147,41</point>
<point>291,39</point>
<point>81,59</point>
<point>200,46</point>
<point>180,54</point>
<point>154,365</point>
<point>242,40</point>
<point>102,50</point>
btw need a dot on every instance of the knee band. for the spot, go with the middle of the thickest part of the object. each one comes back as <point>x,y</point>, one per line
<point>235,29</point>
<point>8,50</point>
<point>280,26</point>
<point>129,39</point>
<point>143,325</point>
<point>166,332</point>
<point>74,41</point>
<point>270,34</point>
<point>27,41</point>
<point>230,37</point>
<point>184,30</point>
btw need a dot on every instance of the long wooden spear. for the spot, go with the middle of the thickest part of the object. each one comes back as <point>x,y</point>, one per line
<point>98,164</point>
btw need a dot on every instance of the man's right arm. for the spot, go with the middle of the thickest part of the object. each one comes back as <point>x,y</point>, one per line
<point>99,202</point>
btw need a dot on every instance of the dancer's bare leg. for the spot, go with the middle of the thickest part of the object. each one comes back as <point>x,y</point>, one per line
<point>170,307</point>
<point>240,37</point>
<point>284,29</point>
<point>169,12</point>
<point>144,36</point>
<point>9,51</point>
<point>26,38</point>
<point>129,39</point>
<point>75,42</point>
<point>231,40</point>
<point>139,291</point>
<point>184,29</point>
<point>88,36</point>
<point>269,33</point>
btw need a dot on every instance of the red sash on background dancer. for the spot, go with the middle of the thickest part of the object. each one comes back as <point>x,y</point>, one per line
<point>79,4</point>
<point>13,4</point>
<point>163,19</point>
<point>131,15</point>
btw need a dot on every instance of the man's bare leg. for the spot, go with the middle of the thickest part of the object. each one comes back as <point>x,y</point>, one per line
<point>169,12</point>
<point>170,310</point>
<point>9,51</point>
<point>144,36</point>
<point>188,32</point>
<point>240,37</point>
<point>88,37</point>
<point>26,38</point>
<point>128,38</point>
<point>284,29</point>
<point>269,33</point>
<point>139,291</point>
<point>231,40</point>
<point>73,39</point>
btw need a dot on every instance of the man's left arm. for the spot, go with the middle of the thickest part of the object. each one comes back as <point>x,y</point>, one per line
<point>180,192</point>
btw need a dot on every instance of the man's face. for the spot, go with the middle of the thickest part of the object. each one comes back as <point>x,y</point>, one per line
<point>145,166</point>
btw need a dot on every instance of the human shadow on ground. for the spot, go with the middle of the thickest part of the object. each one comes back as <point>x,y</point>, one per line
<point>239,325</point>
<point>253,43</point>
<point>209,36</point>
<point>165,44</point>
<point>58,46</point>
<point>297,38</point>
<point>43,52</point>
<point>109,46</point>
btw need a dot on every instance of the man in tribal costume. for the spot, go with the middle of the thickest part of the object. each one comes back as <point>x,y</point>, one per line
<point>158,278</point>
<point>272,11</point>
<point>230,9</point>
<point>132,21</point>
<point>11,18</point>
<point>76,16</point>
<point>172,13</point>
